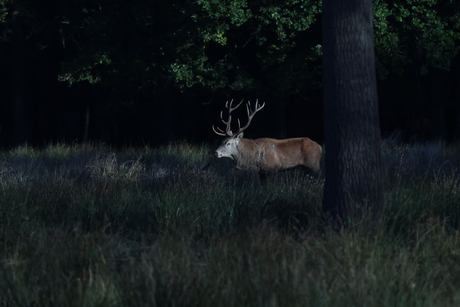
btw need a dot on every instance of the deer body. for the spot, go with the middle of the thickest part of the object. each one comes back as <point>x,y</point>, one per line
<point>266,155</point>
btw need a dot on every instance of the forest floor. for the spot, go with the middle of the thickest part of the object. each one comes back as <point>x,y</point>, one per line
<point>86,225</point>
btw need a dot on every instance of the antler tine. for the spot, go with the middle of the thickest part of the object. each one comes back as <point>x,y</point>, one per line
<point>259,107</point>
<point>227,123</point>
<point>222,118</point>
<point>229,128</point>
<point>230,108</point>
<point>220,132</point>
<point>250,114</point>
<point>237,105</point>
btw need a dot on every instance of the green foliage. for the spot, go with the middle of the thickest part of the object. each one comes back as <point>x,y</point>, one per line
<point>87,225</point>
<point>227,45</point>
<point>423,34</point>
<point>241,45</point>
<point>3,11</point>
<point>227,29</point>
<point>199,43</point>
<point>216,18</point>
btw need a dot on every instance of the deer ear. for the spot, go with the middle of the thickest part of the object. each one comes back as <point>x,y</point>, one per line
<point>239,136</point>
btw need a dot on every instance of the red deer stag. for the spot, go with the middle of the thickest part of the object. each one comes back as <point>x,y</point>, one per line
<point>265,155</point>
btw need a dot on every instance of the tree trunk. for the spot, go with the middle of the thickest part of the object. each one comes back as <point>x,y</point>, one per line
<point>18,83</point>
<point>353,190</point>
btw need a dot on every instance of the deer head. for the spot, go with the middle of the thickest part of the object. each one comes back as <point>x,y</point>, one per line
<point>229,147</point>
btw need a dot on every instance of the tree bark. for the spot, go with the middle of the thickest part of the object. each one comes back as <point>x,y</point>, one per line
<point>353,190</point>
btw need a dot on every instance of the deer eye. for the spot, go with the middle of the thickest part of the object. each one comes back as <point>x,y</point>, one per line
<point>228,144</point>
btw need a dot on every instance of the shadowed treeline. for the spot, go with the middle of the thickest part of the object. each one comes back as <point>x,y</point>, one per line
<point>151,72</point>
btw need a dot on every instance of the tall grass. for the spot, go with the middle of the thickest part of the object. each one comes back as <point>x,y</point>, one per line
<point>85,225</point>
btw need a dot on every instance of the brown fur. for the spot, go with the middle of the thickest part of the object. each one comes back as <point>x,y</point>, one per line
<point>267,155</point>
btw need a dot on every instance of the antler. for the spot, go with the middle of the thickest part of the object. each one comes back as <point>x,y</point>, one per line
<point>228,130</point>
<point>251,113</point>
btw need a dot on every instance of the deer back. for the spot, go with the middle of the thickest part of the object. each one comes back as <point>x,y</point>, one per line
<point>272,155</point>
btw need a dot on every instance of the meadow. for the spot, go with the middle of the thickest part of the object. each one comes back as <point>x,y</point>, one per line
<point>87,225</point>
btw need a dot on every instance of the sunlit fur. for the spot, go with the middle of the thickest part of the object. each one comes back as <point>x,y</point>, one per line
<point>267,155</point>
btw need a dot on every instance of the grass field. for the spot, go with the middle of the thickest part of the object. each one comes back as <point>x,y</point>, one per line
<point>85,225</point>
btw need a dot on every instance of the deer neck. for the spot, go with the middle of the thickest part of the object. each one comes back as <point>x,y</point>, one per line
<point>248,155</point>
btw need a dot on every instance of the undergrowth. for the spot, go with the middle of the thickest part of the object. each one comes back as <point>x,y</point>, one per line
<point>85,225</point>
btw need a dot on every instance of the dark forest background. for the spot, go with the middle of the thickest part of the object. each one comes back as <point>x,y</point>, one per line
<point>153,71</point>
